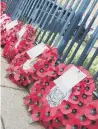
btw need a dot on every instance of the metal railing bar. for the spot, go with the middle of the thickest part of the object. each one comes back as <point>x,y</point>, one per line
<point>67,22</point>
<point>33,8</point>
<point>24,9</point>
<point>72,26</point>
<point>50,19</point>
<point>57,20</point>
<point>46,17</point>
<point>67,11</point>
<point>40,16</point>
<point>79,31</point>
<point>92,59</point>
<point>84,53</point>
<point>96,76</point>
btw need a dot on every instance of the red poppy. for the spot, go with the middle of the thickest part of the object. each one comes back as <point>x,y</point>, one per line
<point>74,99</point>
<point>47,124</point>
<point>82,119</point>
<point>65,107</point>
<point>24,45</point>
<point>84,98</point>
<point>46,81</point>
<point>51,121</point>
<point>46,115</point>
<point>57,123</point>
<point>36,113</point>
<point>36,98</point>
<point>77,89</point>
<point>76,109</point>
<point>46,64</point>
<point>51,54</point>
<point>74,126</point>
<point>93,125</point>
<point>27,100</point>
<point>60,69</point>
<point>88,81</point>
<point>73,113</point>
<point>3,7</point>
<point>51,71</point>
<point>65,121</point>
<point>53,111</point>
<point>89,89</point>
<point>91,110</point>
<point>38,90</point>
<point>40,71</point>
<point>42,86</point>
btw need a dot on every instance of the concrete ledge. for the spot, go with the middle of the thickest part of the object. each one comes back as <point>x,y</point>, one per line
<point>13,110</point>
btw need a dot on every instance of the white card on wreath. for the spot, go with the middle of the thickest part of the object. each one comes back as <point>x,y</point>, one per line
<point>29,63</point>
<point>64,84</point>
<point>16,45</point>
<point>4,15</point>
<point>20,34</point>
<point>37,50</point>
<point>11,25</point>
<point>22,31</point>
<point>69,79</point>
<point>2,19</point>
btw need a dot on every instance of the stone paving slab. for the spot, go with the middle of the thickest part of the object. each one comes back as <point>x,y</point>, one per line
<point>13,110</point>
<point>3,60</point>
<point>5,81</point>
<point>1,125</point>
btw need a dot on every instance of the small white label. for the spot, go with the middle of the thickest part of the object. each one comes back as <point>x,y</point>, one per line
<point>22,31</point>
<point>2,19</point>
<point>11,25</point>
<point>4,15</point>
<point>56,96</point>
<point>20,34</point>
<point>16,45</point>
<point>29,63</point>
<point>37,50</point>
<point>4,27</point>
<point>64,84</point>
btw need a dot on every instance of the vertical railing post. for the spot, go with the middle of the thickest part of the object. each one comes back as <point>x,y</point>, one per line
<point>85,51</point>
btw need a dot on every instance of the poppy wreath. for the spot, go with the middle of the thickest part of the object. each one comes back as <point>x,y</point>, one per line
<point>73,113</point>
<point>24,44</point>
<point>37,69</point>
<point>6,19</point>
<point>5,22</point>
<point>3,6</point>
<point>3,30</point>
<point>7,35</point>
